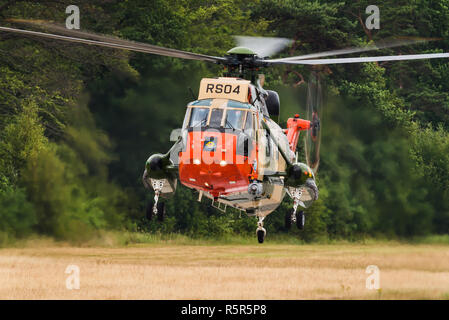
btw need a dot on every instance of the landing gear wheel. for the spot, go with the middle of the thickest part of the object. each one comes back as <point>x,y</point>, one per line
<point>160,211</point>
<point>300,220</point>
<point>260,236</point>
<point>261,232</point>
<point>288,220</point>
<point>149,210</point>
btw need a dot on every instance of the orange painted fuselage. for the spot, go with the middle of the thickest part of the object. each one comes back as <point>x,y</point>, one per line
<point>212,162</point>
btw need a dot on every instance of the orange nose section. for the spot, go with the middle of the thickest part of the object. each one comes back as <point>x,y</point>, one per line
<point>211,163</point>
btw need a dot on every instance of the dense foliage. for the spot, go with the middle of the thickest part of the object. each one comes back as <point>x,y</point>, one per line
<point>78,122</point>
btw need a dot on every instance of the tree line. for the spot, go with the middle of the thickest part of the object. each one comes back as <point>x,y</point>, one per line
<point>78,122</point>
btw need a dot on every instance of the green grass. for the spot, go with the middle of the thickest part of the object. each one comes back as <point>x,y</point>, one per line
<point>126,238</point>
<point>432,239</point>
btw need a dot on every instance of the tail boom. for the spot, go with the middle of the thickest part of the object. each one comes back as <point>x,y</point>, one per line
<point>294,126</point>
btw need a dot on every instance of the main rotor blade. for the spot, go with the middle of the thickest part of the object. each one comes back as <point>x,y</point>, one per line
<point>383,44</point>
<point>367,59</point>
<point>120,44</point>
<point>263,46</point>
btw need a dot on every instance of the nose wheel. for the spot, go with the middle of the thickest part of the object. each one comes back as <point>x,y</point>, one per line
<point>261,232</point>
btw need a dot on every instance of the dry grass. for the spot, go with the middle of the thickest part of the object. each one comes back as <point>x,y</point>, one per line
<point>227,272</point>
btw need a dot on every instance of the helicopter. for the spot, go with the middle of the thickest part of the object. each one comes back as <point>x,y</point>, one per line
<point>230,149</point>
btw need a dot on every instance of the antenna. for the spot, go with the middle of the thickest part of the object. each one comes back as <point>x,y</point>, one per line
<point>191,92</point>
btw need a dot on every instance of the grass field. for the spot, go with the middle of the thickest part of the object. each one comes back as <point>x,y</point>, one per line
<point>269,271</point>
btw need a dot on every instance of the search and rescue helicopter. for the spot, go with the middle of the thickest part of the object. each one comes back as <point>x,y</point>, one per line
<point>229,148</point>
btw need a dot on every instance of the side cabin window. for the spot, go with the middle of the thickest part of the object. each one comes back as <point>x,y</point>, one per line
<point>268,149</point>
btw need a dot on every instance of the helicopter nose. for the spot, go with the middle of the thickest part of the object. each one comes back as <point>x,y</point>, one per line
<point>212,163</point>
<point>213,154</point>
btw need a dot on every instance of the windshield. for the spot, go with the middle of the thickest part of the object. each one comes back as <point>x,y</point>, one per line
<point>249,124</point>
<point>234,119</point>
<point>215,118</point>
<point>228,114</point>
<point>199,117</point>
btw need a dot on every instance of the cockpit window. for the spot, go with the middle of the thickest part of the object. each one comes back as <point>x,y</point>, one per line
<point>230,114</point>
<point>234,119</point>
<point>249,124</point>
<point>215,118</point>
<point>198,117</point>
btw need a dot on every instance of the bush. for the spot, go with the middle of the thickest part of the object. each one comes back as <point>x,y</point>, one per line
<point>17,214</point>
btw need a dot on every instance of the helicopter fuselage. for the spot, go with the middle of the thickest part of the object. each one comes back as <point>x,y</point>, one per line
<point>226,153</point>
<point>232,152</point>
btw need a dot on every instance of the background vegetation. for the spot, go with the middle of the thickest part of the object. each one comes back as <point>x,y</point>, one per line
<point>77,122</point>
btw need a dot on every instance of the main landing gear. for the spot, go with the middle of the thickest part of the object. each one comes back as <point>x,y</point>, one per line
<point>292,217</point>
<point>154,207</point>
<point>295,217</point>
<point>261,232</point>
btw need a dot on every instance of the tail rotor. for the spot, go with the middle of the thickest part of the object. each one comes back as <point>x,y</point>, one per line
<point>314,108</point>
